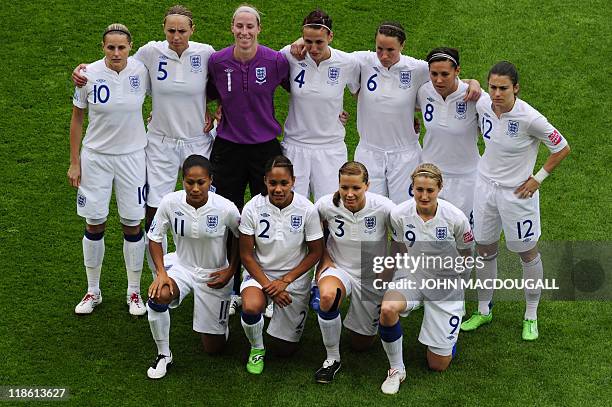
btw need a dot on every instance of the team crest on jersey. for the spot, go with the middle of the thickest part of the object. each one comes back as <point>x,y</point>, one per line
<point>260,75</point>
<point>333,73</point>
<point>81,200</point>
<point>212,221</point>
<point>405,78</point>
<point>513,128</point>
<point>134,81</point>
<point>441,232</point>
<point>370,222</point>
<point>460,110</point>
<point>296,221</point>
<point>196,63</point>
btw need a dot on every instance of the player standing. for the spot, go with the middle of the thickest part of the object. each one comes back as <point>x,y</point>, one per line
<point>201,222</point>
<point>280,240</point>
<point>452,128</point>
<point>178,71</point>
<point>357,221</point>
<point>507,194</point>
<point>435,230</point>
<point>388,143</point>
<point>112,156</point>
<point>314,133</point>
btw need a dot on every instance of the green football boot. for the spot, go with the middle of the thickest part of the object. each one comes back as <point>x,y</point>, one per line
<point>530,329</point>
<point>476,320</point>
<point>255,364</point>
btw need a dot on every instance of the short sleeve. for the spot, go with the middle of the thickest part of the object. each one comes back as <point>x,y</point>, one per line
<point>320,207</point>
<point>232,219</point>
<point>354,80</point>
<point>541,129</point>
<point>397,228</point>
<point>312,228</point>
<point>161,221</point>
<point>144,52</point>
<point>79,99</point>
<point>464,238</point>
<point>247,220</point>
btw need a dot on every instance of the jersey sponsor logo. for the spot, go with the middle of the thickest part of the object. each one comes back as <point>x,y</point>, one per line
<point>376,69</point>
<point>81,200</point>
<point>405,78</point>
<point>513,128</point>
<point>296,221</point>
<point>163,57</point>
<point>179,213</point>
<point>212,188</point>
<point>303,64</point>
<point>430,99</point>
<point>333,73</point>
<point>101,80</point>
<point>134,81</point>
<point>486,114</point>
<point>152,227</point>
<point>196,63</point>
<point>410,226</point>
<point>260,75</point>
<point>468,237</point>
<point>264,215</point>
<point>555,137</point>
<point>461,110</point>
<point>212,221</point>
<point>441,232</point>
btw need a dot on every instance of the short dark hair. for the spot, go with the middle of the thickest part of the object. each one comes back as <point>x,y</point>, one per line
<point>443,54</point>
<point>196,160</point>
<point>318,18</point>
<point>505,68</point>
<point>392,29</point>
<point>279,161</point>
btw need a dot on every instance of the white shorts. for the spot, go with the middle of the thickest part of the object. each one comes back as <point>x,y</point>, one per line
<point>315,169</point>
<point>288,322</point>
<point>364,303</point>
<point>497,207</point>
<point>459,190</point>
<point>100,173</point>
<point>441,319</point>
<point>390,171</point>
<point>210,305</point>
<point>165,156</point>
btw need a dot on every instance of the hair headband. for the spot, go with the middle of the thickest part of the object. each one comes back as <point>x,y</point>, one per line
<point>442,55</point>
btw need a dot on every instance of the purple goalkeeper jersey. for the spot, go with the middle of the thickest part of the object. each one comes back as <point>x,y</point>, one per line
<point>246,92</point>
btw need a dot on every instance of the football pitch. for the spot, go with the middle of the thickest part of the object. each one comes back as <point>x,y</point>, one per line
<point>563,52</point>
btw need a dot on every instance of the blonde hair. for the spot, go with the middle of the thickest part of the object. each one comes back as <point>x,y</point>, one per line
<point>247,8</point>
<point>428,170</point>
<point>351,168</point>
<point>117,28</point>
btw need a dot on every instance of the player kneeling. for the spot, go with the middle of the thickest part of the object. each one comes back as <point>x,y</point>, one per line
<point>280,240</point>
<point>435,231</point>
<point>200,222</point>
<point>357,222</point>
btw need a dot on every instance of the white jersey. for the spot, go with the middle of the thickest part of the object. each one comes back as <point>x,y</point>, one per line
<point>178,88</point>
<point>200,235</point>
<point>452,130</point>
<point>114,103</point>
<point>317,96</point>
<point>438,238</point>
<point>512,141</point>
<point>351,233</point>
<point>280,234</point>
<point>387,99</point>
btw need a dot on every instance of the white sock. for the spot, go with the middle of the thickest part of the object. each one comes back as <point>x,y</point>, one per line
<point>93,255</point>
<point>330,331</point>
<point>533,271</point>
<point>394,353</point>
<point>487,272</point>
<point>159,322</point>
<point>133,254</point>
<point>254,333</point>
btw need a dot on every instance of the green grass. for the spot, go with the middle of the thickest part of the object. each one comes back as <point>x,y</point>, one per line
<point>562,50</point>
